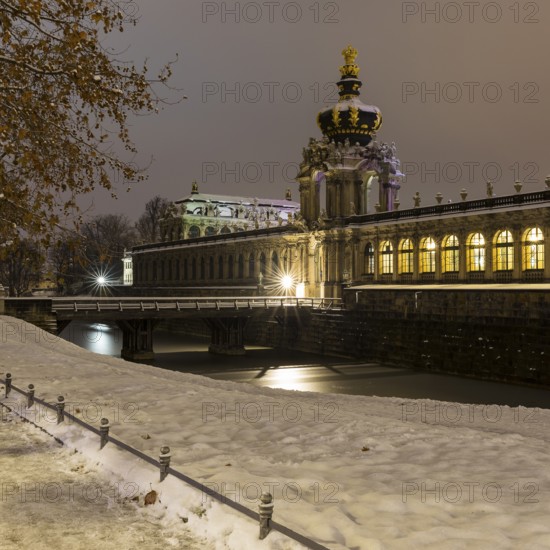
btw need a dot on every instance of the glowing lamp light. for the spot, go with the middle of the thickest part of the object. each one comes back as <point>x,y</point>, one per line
<point>287,282</point>
<point>101,280</point>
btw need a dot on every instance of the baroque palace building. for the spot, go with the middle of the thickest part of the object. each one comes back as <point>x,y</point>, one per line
<point>359,236</point>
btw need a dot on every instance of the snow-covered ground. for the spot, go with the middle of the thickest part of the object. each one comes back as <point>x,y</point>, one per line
<point>55,498</point>
<point>351,472</point>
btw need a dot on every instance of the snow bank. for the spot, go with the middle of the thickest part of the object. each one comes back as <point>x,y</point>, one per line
<point>351,472</point>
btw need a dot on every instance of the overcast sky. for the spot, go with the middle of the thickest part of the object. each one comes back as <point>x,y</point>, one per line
<point>255,86</point>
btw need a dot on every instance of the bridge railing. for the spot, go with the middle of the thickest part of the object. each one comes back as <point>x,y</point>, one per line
<point>75,305</point>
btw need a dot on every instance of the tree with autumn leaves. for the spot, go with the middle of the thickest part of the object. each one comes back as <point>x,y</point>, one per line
<point>65,102</point>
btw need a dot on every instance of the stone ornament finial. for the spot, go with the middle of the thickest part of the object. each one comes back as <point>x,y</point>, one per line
<point>195,187</point>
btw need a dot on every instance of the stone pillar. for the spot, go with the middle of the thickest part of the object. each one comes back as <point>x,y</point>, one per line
<point>137,339</point>
<point>518,258</point>
<point>227,335</point>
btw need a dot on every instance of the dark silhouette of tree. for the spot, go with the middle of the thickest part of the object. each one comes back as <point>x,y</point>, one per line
<point>105,238</point>
<point>148,225</point>
<point>20,267</point>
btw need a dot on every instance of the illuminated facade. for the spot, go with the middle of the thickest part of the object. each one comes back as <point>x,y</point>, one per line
<point>359,236</point>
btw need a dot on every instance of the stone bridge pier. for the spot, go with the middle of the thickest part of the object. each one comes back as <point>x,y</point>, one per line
<point>137,339</point>
<point>227,335</point>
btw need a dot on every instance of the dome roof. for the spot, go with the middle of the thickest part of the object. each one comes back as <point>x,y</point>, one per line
<point>350,119</point>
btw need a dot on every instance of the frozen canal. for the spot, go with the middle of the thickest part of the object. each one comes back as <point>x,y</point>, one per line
<point>54,498</point>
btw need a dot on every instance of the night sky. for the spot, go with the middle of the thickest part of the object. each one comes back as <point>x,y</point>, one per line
<point>466,87</point>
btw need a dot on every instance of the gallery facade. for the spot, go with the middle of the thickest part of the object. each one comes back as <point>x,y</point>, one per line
<point>359,235</point>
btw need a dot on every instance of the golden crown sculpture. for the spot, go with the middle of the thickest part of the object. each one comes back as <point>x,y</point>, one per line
<point>350,68</point>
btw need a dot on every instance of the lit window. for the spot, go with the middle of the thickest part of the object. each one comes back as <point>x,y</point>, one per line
<point>386,258</point>
<point>450,250</point>
<point>533,249</point>
<point>503,252</point>
<point>406,256</point>
<point>427,255</point>
<point>475,252</point>
<point>369,259</point>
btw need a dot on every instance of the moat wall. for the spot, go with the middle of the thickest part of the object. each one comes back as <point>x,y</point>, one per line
<point>487,334</point>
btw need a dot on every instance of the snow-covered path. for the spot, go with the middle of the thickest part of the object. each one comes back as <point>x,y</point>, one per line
<point>52,497</point>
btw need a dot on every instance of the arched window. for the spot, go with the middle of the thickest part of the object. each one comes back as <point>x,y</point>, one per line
<point>154,270</point>
<point>169,270</point>
<point>220,267</point>
<point>251,265</point>
<point>241,267</point>
<point>194,232</point>
<point>177,275</point>
<point>369,259</point>
<point>230,267</point>
<point>185,270</point>
<point>406,256</point>
<point>275,263</point>
<point>194,269</point>
<point>225,230</point>
<point>450,255</point>
<point>211,274</point>
<point>503,252</point>
<point>475,247</point>
<point>427,255</point>
<point>209,231</point>
<point>262,263</point>
<point>203,269</point>
<point>533,249</point>
<point>386,258</point>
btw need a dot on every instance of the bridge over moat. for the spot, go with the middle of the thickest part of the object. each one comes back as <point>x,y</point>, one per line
<point>137,317</point>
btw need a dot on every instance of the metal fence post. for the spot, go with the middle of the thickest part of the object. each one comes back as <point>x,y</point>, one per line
<point>266,512</point>
<point>104,432</point>
<point>8,384</point>
<point>30,396</point>
<point>164,460</point>
<point>60,406</point>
